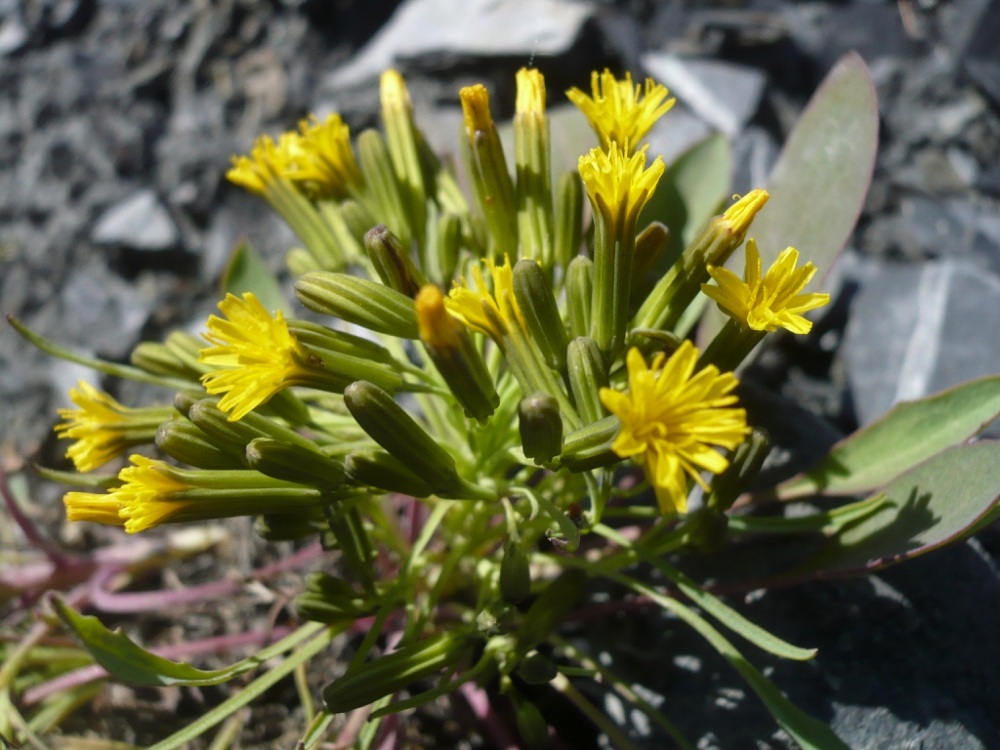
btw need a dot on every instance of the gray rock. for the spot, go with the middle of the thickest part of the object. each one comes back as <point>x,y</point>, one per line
<point>13,35</point>
<point>482,28</point>
<point>725,95</point>
<point>676,132</point>
<point>918,329</point>
<point>139,222</point>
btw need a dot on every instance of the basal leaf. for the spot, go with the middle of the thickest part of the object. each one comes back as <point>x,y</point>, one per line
<point>912,432</point>
<point>820,180</point>
<point>927,507</point>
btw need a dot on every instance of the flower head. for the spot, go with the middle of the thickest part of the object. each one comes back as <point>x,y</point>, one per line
<point>144,500</point>
<point>493,313</point>
<point>530,99</point>
<point>93,507</point>
<point>771,301</point>
<point>321,159</point>
<point>259,355</point>
<point>268,162</point>
<point>103,428</point>
<point>619,185</point>
<point>438,328</point>
<point>671,419</point>
<point>618,111</point>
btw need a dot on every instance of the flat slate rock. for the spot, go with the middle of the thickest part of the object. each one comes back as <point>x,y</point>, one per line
<point>917,329</point>
<point>483,28</point>
<point>139,222</point>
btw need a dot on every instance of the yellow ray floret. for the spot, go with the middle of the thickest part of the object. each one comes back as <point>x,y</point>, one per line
<point>619,111</point>
<point>673,419</point>
<point>769,301</point>
<point>102,428</point>
<point>493,313</point>
<point>257,352</point>
<point>619,185</point>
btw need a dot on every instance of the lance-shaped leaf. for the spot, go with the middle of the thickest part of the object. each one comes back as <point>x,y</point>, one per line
<point>932,505</point>
<point>247,272</point>
<point>820,180</point>
<point>909,434</point>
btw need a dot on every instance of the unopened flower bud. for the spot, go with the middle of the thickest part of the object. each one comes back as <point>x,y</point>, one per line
<point>537,301</point>
<point>515,574</point>
<point>540,426</point>
<point>392,261</point>
<point>568,218</point>
<point>294,463</point>
<point>537,669</point>
<point>189,444</point>
<point>367,303</point>
<point>579,293</point>
<point>587,375</point>
<point>590,447</point>
<point>365,683</point>
<point>455,355</point>
<point>330,599</point>
<point>371,467</point>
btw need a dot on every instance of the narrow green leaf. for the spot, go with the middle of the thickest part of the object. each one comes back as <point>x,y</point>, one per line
<point>731,618</point>
<point>108,368</point>
<point>126,661</point>
<point>820,180</point>
<point>932,505</point>
<point>247,272</point>
<point>808,732</point>
<point>909,434</point>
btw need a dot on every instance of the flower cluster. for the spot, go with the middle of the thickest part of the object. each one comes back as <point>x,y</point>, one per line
<point>538,361</point>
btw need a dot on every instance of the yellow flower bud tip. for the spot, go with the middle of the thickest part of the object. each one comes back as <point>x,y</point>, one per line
<point>671,417</point>
<point>476,109</point>
<point>530,92</point>
<point>620,111</point>
<point>438,328</point>
<point>92,507</point>
<point>617,183</point>
<point>494,314</point>
<point>259,355</point>
<point>739,215</point>
<point>393,91</point>
<point>766,302</point>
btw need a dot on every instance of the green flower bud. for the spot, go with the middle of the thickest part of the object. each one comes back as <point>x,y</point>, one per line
<point>515,574</point>
<point>537,669</point>
<point>215,423</point>
<point>443,262</point>
<point>366,683</point>
<point>281,527</point>
<point>392,262</point>
<point>357,218</point>
<point>177,356</point>
<point>362,301</point>
<point>329,599</point>
<point>375,468</point>
<point>590,446</point>
<point>587,375</point>
<point>569,220</point>
<point>533,291</point>
<point>300,261</point>
<point>579,292</point>
<point>540,426</point>
<point>389,425</point>
<point>531,725</point>
<point>650,246</point>
<point>294,463</point>
<point>376,163</point>
<point>189,444</point>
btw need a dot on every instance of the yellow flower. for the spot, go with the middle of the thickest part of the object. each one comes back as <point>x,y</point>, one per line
<point>671,417</point>
<point>103,428</point>
<point>322,160</point>
<point>769,302</point>
<point>530,100</point>
<point>618,111</point>
<point>268,162</point>
<point>93,507</point>
<point>438,328</point>
<point>619,185</point>
<point>494,313</point>
<point>258,352</point>
<point>144,500</point>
